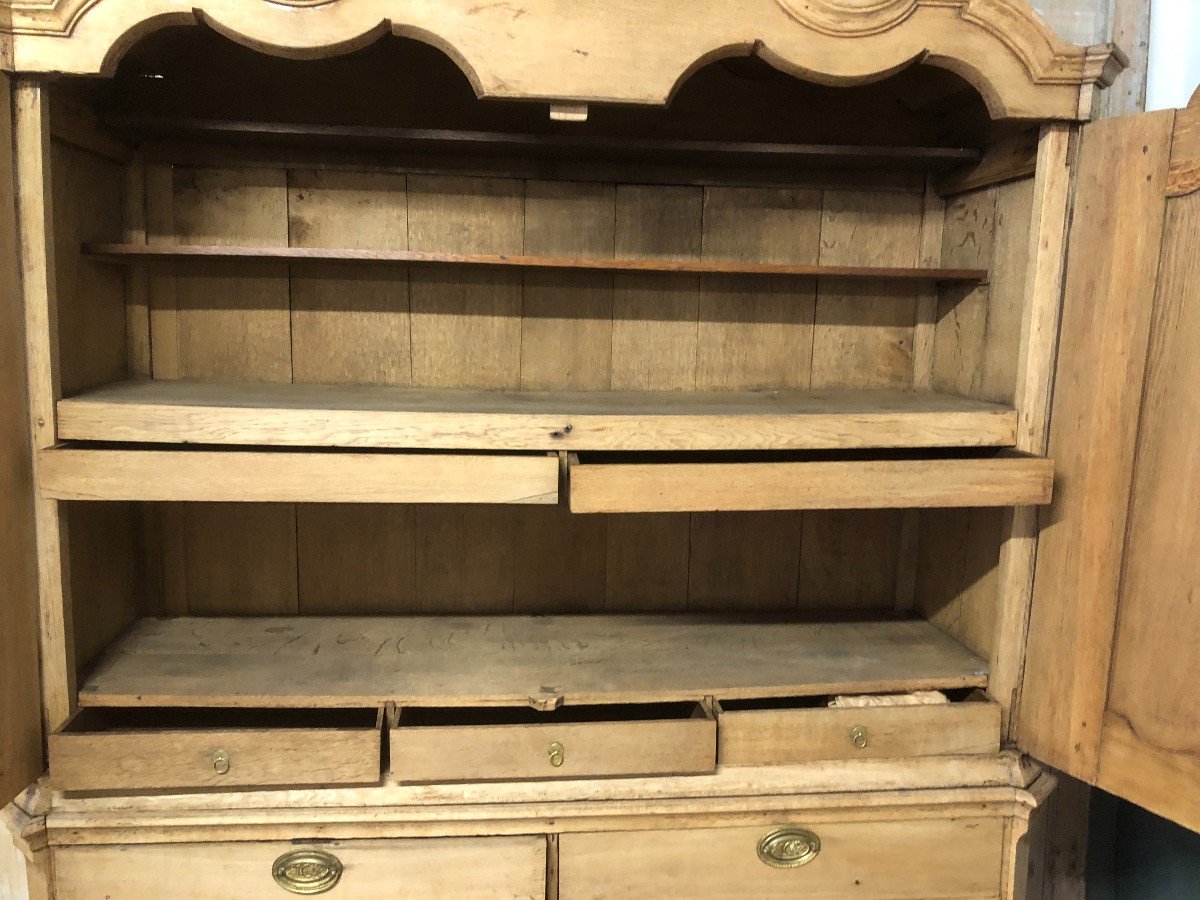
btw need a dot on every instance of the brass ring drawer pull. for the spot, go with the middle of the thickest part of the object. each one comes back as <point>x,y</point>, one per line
<point>789,847</point>
<point>859,737</point>
<point>220,761</point>
<point>557,753</point>
<point>307,871</point>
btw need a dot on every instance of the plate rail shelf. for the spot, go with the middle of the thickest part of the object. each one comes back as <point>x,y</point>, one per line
<point>131,253</point>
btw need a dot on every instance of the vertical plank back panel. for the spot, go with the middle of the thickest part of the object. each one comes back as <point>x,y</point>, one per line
<point>226,321</point>
<point>351,325</point>
<point>566,342</point>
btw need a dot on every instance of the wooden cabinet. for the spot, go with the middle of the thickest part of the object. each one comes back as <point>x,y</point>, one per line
<point>518,452</point>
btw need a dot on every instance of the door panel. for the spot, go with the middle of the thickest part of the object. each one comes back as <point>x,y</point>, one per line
<point>1108,693</point>
<point>1150,740</point>
<point>20,686</point>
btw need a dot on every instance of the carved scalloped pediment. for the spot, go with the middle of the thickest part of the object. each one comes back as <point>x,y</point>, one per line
<point>613,50</point>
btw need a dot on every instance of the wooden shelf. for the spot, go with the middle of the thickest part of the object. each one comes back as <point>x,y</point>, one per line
<point>130,253</point>
<point>177,412</point>
<point>516,661</point>
<point>492,143</point>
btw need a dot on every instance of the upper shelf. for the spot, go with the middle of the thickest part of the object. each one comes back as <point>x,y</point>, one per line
<point>516,661</point>
<point>129,253</point>
<point>364,416</point>
<point>554,146</point>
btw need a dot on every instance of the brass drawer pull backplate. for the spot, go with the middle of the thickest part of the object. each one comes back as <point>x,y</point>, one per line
<point>789,847</point>
<point>307,871</point>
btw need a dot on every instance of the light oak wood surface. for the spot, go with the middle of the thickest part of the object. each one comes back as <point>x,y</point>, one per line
<point>375,416</point>
<point>295,477</point>
<point>868,484</point>
<point>779,736</point>
<point>515,660</point>
<point>20,677</point>
<point>512,868</point>
<point>898,859</point>
<point>1113,259</point>
<point>626,745</point>
<point>87,755</point>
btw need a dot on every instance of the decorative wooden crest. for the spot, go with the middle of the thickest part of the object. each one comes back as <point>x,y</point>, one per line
<point>591,51</point>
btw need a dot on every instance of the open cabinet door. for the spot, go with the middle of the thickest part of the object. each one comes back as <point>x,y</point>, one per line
<point>1109,692</point>
<point>20,686</point>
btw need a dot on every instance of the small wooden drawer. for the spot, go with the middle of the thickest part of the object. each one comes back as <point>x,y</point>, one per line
<point>700,484</point>
<point>920,858</point>
<point>135,749</point>
<point>780,732</point>
<point>492,867</point>
<point>571,742</point>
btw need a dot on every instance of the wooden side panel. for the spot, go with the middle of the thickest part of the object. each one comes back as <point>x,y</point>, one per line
<point>1109,293</point>
<point>976,353</point>
<point>501,868</point>
<point>1151,721</point>
<point>20,685</point>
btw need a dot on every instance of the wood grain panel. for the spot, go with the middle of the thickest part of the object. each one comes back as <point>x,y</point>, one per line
<point>516,661</point>
<point>503,750</point>
<point>654,343</point>
<point>864,332</point>
<point>500,868</point>
<point>781,736</point>
<point>566,330</point>
<point>20,684</point>
<point>849,559</point>
<point>1111,268</point>
<point>655,317</point>
<point>756,333</point>
<point>466,326</point>
<point>231,321</point>
<point>898,859</point>
<point>466,332</point>
<point>350,324</point>
<point>87,197</point>
<point>1158,622</point>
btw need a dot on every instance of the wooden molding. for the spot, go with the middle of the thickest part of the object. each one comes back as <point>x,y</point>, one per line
<point>578,51</point>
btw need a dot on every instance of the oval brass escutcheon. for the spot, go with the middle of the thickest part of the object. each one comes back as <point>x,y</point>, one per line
<point>307,871</point>
<point>220,761</point>
<point>557,753</point>
<point>789,847</point>
<point>859,737</point>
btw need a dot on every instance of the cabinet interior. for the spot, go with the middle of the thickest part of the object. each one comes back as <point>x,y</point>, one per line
<point>386,150</point>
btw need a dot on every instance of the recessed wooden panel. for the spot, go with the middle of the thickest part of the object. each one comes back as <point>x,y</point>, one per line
<point>777,735</point>
<point>573,742</point>
<point>501,868</point>
<point>102,750</point>
<point>918,858</point>
<point>516,661</point>
<point>1008,480</point>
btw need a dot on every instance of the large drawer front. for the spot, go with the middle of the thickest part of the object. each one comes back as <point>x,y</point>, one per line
<point>920,858</point>
<point>110,749</point>
<point>588,742</point>
<point>499,867</point>
<point>774,734</point>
